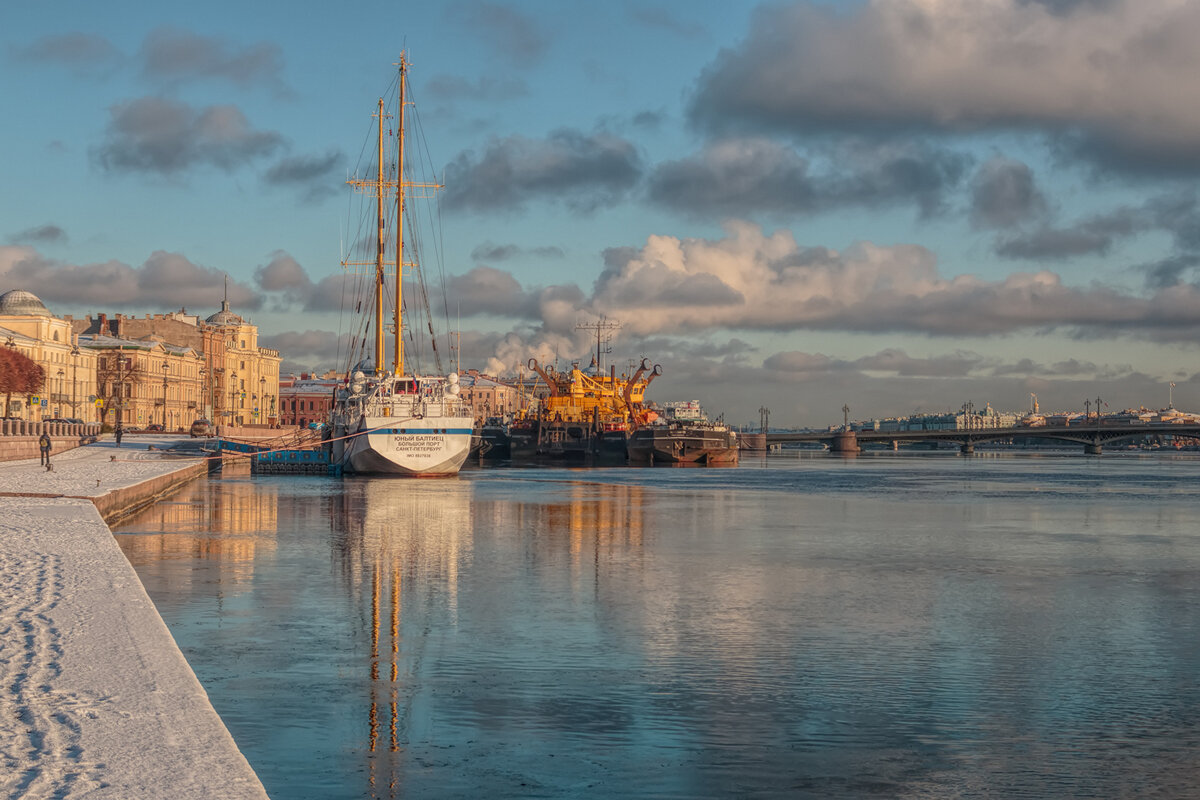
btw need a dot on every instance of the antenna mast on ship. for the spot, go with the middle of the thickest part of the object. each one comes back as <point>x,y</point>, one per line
<point>604,324</point>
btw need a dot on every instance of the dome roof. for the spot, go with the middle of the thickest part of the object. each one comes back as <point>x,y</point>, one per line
<point>224,316</point>
<point>20,303</point>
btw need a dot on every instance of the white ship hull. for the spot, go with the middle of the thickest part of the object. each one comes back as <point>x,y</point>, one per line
<point>416,447</point>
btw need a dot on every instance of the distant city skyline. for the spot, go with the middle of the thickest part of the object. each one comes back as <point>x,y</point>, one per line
<point>899,205</point>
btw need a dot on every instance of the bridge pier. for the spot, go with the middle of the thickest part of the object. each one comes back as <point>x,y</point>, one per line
<point>967,448</point>
<point>844,442</point>
<point>1093,449</point>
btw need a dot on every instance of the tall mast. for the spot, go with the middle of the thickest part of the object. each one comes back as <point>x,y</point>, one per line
<point>379,244</point>
<point>398,352</point>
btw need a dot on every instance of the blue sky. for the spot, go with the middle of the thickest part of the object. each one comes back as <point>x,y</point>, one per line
<point>901,205</point>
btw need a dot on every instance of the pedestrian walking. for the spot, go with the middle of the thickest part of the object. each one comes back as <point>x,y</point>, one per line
<point>44,446</point>
<point>118,433</point>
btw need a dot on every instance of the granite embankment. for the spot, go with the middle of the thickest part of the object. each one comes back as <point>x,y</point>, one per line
<point>99,702</point>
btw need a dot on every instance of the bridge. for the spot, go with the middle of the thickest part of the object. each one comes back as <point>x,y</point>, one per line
<point>1092,435</point>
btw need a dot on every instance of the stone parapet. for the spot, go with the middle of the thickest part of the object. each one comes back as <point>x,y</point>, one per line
<point>17,447</point>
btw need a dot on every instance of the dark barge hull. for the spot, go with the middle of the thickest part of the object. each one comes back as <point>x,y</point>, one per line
<point>493,445</point>
<point>549,442</point>
<point>683,446</point>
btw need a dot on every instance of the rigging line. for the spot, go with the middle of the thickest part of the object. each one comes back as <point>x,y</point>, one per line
<point>435,214</point>
<point>427,163</point>
<point>424,296</point>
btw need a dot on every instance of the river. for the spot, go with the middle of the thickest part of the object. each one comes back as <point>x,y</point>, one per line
<point>884,626</point>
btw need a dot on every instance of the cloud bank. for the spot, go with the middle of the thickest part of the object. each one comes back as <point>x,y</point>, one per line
<point>1113,79</point>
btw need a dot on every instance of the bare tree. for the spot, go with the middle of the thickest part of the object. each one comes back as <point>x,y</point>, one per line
<point>116,373</point>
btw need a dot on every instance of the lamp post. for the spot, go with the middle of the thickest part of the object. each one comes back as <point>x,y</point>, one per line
<point>58,400</point>
<point>232,395</point>
<point>262,400</point>
<point>205,411</point>
<point>166,371</point>
<point>74,377</point>
<point>119,411</point>
<point>212,391</point>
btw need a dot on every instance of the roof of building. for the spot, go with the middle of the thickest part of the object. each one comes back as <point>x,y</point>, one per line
<point>100,341</point>
<point>20,303</point>
<point>104,341</point>
<point>225,316</point>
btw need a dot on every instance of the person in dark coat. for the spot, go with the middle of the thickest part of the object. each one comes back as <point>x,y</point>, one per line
<point>118,433</point>
<point>44,445</point>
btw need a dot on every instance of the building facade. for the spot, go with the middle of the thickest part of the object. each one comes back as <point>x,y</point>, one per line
<point>238,381</point>
<point>27,326</point>
<point>488,396</point>
<point>142,382</point>
<point>306,399</point>
<point>244,378</point>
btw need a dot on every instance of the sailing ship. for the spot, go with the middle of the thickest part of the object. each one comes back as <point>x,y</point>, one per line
<point>388,420</point>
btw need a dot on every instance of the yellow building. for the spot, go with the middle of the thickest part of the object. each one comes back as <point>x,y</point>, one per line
<point>246,377</point>
<point>26,325</point>
<point>142,382</point>
<point>238,380</point>
<point>164,369</point>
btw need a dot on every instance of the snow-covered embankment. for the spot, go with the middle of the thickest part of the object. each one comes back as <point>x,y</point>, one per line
<point>97,699</point>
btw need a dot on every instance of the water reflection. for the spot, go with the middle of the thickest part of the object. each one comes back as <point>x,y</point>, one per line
<point>929,628</point>
<point>234,526</point>
<point>399,546</point>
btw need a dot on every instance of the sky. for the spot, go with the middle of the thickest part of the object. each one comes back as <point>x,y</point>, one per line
<point>896,205</point>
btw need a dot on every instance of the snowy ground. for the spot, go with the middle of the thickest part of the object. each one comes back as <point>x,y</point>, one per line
<point>93,470</point>
<point>96,700</point>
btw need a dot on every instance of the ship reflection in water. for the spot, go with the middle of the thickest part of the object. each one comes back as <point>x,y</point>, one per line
<point>885,627</point>
<point>401,555</point>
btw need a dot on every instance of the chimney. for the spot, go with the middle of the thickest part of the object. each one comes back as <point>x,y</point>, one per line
<point>102,329</point>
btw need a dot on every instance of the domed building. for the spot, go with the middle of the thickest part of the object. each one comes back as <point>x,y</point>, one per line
<point>218,371</point>
<point>26,325</point>
<point>225,317</point>
<point>245,377</point>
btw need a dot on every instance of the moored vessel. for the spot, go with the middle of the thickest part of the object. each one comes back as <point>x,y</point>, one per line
<point>585,416</point>
<point>683,435</point>
<point>389,420</point>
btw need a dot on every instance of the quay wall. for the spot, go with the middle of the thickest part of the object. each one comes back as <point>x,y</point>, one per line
<point>121,502</point>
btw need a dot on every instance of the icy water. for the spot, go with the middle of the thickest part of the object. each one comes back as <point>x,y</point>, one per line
<point>886,626</point>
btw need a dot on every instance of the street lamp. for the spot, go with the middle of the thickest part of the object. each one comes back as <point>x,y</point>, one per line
<point>58,400</point>
<point>262,399</point>
<point>74,377</point>
<point>204,383</point>
<point>232,395</point>
<point>166,370</point>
